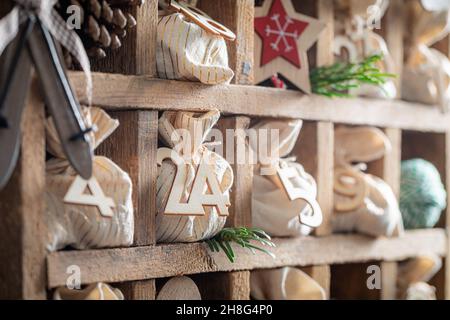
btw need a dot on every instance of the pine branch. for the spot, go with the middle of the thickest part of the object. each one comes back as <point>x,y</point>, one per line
<point>336,80</point>
<point>241,236</point>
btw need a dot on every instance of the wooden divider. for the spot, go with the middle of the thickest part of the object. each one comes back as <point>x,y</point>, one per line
<point>137,156</point>
<point>22,205</point>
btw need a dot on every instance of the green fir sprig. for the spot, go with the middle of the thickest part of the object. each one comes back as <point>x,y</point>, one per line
<point>243,237</point>
<point>336,80</point>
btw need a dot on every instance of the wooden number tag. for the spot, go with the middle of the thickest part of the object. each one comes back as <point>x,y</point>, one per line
<point>76,195</point>
<point>294,193</point>
<point>200,18</point>
<point>205,180</point>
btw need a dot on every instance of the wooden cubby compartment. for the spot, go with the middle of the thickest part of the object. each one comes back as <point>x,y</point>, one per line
<point>125,86</point>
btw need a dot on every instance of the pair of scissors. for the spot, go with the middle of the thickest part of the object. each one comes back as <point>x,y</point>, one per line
<point>34,46</point>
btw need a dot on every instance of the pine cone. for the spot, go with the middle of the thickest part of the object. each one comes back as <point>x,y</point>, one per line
<point>104,24</point>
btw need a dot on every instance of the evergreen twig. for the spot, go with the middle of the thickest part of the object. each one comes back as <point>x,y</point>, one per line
<point>336,80</point>
<point>241,236</point>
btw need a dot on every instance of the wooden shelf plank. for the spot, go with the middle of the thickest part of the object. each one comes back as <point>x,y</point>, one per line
<point>120,92</point>
<point>127,264</point>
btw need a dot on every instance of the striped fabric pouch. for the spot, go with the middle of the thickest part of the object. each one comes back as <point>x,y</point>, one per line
<point>80,221</point>
<point>187,52</point>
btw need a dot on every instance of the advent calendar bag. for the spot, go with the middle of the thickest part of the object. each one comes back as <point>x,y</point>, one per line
<point>184,134</point>
<point>362,202</point>
<point>185,51</point>
<point>274,209</point>
<point>87,214</point>
<point>284,284</point>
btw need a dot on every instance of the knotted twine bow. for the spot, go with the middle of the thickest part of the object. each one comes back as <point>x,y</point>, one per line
<point>50,19</point>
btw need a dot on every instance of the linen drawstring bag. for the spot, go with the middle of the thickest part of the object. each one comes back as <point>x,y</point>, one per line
<point>362,202</point>
<point>426,74</point>
<point>272,209</point>
<point>84,226</point>
<point>185,51</point>
<point>284,284</point>
<point>413,275</point>
<point>185,133</point>
<point>96,291</point>
<point>356,40</point>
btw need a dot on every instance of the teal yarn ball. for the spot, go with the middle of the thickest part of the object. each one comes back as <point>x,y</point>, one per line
<point>422,194</point>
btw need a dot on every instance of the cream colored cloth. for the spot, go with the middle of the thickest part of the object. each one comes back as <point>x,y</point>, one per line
<point>426,74</point>
<point>96,291</point>
<point>272,210</point>
<point>172,126</point>
<point>355,40</point>
<point>82,226</point>
<point>185,51</point>
<point>362,202</point>
<point>284,284</point>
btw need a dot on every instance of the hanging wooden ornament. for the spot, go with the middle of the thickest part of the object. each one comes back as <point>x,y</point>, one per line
<point>76,195</point>
<point>286,175</point>
<point>206,189</point>
<point>282,39</point>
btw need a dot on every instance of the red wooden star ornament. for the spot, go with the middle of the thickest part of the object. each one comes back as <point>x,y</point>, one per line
<point>282,39</point>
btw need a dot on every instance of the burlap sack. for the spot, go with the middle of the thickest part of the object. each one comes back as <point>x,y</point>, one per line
<point>172,127</point>
<point>272,209</point>
<point>284,284</point>
<point>362,202</point>
<point>95,291</point>
<point>82,226</point>
<point>186,52</point>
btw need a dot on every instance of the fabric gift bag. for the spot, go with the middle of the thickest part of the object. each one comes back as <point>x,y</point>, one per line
<point>84,226</point>
<point>185,51</point>
<point>426,75</point>
<point>273,210</point>
<point>284,284</point>
<point>188,131</point>
<point>362,202</point>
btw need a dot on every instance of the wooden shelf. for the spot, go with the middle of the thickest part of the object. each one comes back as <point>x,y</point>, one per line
<point>127,264</point>
<point>120,92</point>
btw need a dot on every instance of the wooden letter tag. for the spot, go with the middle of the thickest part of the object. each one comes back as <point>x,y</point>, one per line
<point>76,195</point>
<point>294,193</point>
<point>205,180</point>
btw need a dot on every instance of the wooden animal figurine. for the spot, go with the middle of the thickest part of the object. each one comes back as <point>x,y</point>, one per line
<point>96,291</point>
<point>191,46</point>
<point>426,75</point>
<point>356,39</point>
<point>179,288</point>
<point>84,214</point>
<point>185,133</point>
<point>284,195</point>
<point>362,202</point>
<point>284,284</point>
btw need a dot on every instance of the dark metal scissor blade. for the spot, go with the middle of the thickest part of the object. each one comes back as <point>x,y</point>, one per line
<point>16,69</point>
<point>61,101</point>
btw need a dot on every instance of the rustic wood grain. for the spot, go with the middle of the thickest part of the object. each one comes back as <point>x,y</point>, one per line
<point>138,52</point>
<point>234,285</point>
<point>133,147</point>
<point>116,265</point>
<point>22,230</point>
<point>238,16</point>
<point>119,92</point>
